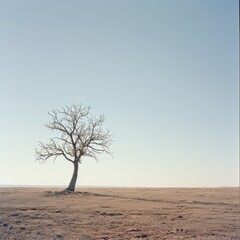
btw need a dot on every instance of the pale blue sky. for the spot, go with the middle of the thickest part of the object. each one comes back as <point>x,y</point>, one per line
<point>164,72</point>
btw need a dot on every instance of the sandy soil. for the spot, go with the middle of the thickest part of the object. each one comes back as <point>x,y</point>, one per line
<point>120,213</point>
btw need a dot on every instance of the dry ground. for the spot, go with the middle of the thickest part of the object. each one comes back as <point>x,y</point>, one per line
<point>120,213</point>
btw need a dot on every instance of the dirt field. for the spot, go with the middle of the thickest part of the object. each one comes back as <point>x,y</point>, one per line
<point>120,213</point>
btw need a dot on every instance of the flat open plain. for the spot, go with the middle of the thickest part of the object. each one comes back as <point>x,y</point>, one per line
<point>120,213</point>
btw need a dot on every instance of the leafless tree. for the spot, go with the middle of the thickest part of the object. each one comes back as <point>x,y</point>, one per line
<point>78,134</point>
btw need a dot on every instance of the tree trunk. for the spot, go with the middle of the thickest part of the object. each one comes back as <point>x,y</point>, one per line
<point>72,184</point>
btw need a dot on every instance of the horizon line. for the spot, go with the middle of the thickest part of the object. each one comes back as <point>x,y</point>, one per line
<point>102,186</point>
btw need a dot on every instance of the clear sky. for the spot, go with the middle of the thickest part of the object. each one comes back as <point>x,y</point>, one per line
<point>164,72</point>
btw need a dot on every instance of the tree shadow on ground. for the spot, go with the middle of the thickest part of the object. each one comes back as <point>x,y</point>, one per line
<point>84,194</point>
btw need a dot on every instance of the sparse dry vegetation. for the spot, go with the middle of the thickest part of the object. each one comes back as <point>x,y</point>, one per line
<point>120,213</point>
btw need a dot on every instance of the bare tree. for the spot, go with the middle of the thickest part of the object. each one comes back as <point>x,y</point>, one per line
<point>78,134</point>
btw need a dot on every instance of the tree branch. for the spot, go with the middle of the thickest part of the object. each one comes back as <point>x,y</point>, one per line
<point>79,134</point>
